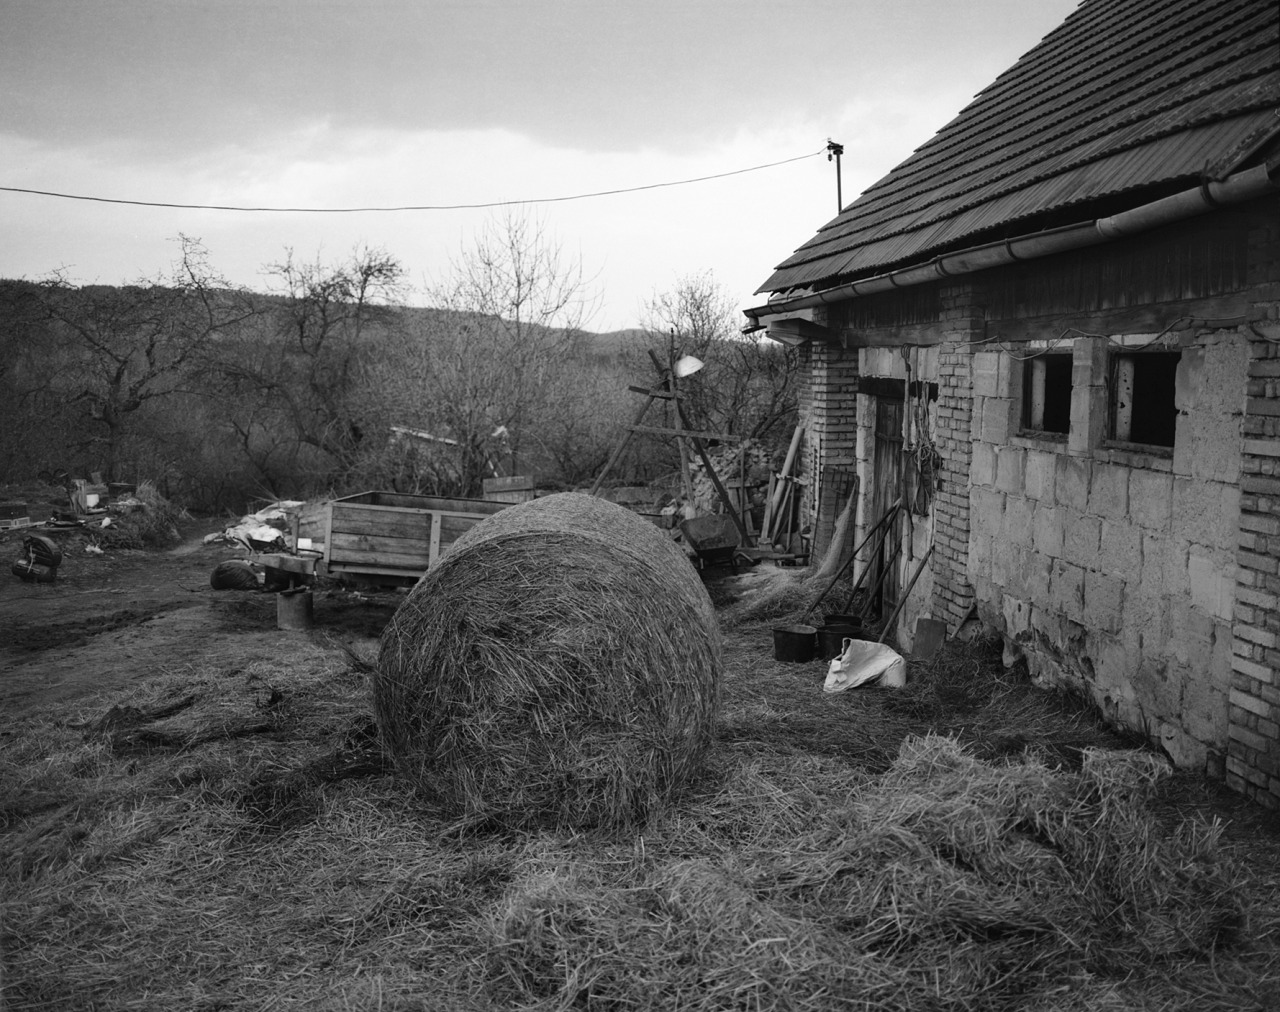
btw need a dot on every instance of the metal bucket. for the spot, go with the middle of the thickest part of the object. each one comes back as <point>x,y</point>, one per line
<point>794,643</point>
<point>293,609</point>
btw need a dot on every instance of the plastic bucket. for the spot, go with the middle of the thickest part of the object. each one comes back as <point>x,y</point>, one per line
<point>794,643</point>
<point>846,620</point>
<point>831,639</point>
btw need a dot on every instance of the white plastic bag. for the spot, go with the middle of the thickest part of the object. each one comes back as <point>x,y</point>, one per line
<point>863,661</point>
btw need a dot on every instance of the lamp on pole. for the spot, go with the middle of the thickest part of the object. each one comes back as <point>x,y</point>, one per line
<point>835,150</point>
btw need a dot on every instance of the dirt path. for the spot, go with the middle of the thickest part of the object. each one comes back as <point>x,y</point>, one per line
<point>113,618</point>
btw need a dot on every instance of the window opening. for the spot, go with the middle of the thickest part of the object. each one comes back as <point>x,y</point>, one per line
<point>1142,398</point>
<point>1046,394</point>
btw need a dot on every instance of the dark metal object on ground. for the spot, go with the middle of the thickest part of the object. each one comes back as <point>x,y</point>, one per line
<point>831,639</point>
<point>41,557</point>
<point>714,539</point>
<point>796,643</point>
<point>294,609</point>
<point>42,550</point>
<point>234,574</point>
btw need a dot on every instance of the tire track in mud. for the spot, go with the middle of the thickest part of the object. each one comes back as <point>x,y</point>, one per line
<point>47,636</point>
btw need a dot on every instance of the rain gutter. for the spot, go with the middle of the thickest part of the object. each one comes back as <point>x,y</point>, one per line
<point>1235,189</point>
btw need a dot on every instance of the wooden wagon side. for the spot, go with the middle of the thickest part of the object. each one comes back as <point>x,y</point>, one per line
<point>394,535</point>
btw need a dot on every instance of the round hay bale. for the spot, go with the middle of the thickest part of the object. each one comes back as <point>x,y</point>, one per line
<point>558,667</point>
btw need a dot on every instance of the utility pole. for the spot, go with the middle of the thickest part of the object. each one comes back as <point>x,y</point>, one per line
<point>835,150</point>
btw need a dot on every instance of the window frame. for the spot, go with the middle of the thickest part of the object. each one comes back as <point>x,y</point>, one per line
<point>1122,378</point>
<point>1035,378</point>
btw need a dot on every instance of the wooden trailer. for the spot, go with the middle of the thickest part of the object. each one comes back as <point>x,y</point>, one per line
<point>391,537</point>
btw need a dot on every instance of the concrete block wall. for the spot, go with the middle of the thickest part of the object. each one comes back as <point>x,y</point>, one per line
<point>1115,570</point>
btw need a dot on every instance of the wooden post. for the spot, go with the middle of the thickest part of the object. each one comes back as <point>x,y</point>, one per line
<point>626,438</point>
<point>786,466</point>
<point>686,479</point>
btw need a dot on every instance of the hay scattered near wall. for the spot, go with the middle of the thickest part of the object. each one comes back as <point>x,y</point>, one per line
<point>946,882</point>
<point>768,592</point>
<point>559,667</point>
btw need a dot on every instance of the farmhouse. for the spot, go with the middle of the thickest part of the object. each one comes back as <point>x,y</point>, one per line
<point>1052,334</point>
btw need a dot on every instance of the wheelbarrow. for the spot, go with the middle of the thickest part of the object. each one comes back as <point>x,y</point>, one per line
<point>714,540</point>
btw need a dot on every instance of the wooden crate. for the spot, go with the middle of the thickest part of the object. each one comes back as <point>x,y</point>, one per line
<point>391,534</point>
<point>515,488</point>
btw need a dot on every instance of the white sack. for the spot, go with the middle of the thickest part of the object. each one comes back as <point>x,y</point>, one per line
<point>863,661</point>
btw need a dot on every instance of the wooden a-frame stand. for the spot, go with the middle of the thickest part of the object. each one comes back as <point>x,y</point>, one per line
<point>666,388</point>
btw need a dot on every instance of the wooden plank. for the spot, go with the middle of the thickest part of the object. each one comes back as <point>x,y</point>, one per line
<point>452,528</point>
<point>513,489</point>
<point>407,563</point>
<point>356,569</point>
<point>403,500</point>
<point>655,430</point>
<point>509,483</point>
<point>433,550</point>
<point>362,548</point>
<point>328,535</point>
<point>885,386</point>
<point>388,523</point>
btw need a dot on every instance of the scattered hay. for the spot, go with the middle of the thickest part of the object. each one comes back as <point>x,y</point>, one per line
<point>830,854</point>
<point>559,667</point>
<point>945,883</point>
<point>764,593</point>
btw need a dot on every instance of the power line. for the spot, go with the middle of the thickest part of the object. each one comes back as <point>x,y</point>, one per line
<point>408,207</point>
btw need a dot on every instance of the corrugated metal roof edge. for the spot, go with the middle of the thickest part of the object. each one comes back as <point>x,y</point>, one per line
<point>1242,186</point>
<point>842,226</point>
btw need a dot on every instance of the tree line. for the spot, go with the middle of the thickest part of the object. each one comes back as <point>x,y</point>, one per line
<point>331,382</point>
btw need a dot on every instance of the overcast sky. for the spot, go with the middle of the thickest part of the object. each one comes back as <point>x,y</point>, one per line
<point>340,103</point>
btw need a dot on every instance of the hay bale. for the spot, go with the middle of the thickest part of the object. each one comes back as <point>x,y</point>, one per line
<point>558,667</point>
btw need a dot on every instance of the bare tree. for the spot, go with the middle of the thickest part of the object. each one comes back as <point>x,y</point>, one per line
<point>302,383</point>
<point>748,387</point>
<point>512,309</point>
<point>122,348</point>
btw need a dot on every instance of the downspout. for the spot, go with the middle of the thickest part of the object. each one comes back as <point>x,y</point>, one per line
<point>1235,189</point>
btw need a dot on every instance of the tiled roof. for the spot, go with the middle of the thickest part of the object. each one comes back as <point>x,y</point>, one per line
<point>1124,96</point>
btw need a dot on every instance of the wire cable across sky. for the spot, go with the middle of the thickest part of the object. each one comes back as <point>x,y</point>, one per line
<point>406,207</point>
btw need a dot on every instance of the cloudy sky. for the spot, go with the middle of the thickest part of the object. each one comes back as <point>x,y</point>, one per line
<point>359,103</point>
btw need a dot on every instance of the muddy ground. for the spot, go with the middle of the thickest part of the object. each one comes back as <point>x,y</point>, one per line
<point>109,620</point>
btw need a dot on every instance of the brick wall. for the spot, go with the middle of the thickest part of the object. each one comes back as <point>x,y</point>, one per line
<point>830,438</point>
<point>1253,750</point>
<point>952,590</point>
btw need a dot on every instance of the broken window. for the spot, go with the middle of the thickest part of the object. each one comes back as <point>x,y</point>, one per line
<point>1142,398</point>
<point>1046,395</point>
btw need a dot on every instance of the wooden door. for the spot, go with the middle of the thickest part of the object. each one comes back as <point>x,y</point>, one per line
<point>887,488</point>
